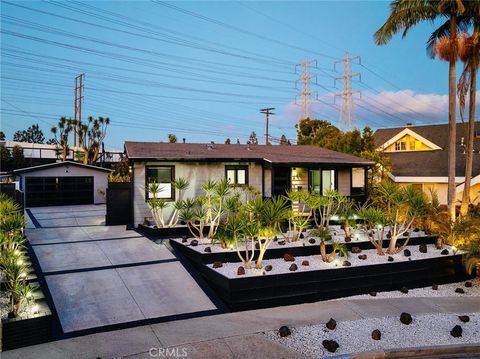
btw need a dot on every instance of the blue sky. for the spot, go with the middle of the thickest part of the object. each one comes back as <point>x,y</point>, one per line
<point>202,70</point>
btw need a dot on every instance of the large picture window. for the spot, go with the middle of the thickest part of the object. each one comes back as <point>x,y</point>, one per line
<point>237,175</point>
<point>164,176</point>
<point>321,181</point>
<point>358,181</point>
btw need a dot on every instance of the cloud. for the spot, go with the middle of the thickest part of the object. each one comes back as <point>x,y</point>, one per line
<point>377,109</point>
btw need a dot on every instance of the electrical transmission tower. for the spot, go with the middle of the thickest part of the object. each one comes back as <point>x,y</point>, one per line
<point>77,106</point>
<point>305,94</point>
<point>347,116</point>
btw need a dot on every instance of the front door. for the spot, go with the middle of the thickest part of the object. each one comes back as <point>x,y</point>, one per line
<point>281,180</point>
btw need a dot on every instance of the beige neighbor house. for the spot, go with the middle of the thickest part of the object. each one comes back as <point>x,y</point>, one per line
<point>271,170</point>
<point>419,156</point>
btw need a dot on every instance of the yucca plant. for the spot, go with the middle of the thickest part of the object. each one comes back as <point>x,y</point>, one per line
<point>15,270</point>
<point>373,226</point>
<point>346,217</point>
<point>298,219</point>
<point>339,248</point>
<point>324,234</point>
<point>12,224</point>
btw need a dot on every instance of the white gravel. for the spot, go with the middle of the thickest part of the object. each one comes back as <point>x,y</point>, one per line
<point>338,235</point>
<point>281,266</point>
<point>444,290</point>
<point>355,336</point>
<point>5,306</point>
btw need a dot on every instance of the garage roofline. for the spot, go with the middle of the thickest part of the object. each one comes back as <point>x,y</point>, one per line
<point>60,164</point>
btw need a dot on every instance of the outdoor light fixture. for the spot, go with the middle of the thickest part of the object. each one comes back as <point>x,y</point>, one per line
<point>23,274</point>
<point>16,252</point>
<point>20,262</point>
<point>334,218</point>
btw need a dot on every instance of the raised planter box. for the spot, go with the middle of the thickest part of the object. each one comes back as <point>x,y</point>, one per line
<point>26,331</point>
<point>172,232</point>
<point>245,293</point>
<point>278,252</point>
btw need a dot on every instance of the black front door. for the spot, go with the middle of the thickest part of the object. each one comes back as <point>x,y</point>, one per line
<point>281,180</point>
<point>58,191</point>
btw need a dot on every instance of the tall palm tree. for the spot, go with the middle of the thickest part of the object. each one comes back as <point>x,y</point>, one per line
<point>404,15</point>
<point>467,83</point>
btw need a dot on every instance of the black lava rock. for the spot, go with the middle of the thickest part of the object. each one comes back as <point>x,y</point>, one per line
<point>416,229</point>
<point>422,248</point>
<point>217,264</point>
<point>406,318</point>
<point>208,250</point>
<point>460,291</point>
<point>404,290</point>
<point>362,256</point>
<point>376,335</point>
<point>284,331</point>
<point>389,235</point>
<point>240,271</point>
<point>444,252</point>
<point>288,257</point>
<point>464,318</point>
<point>407,253</point>
<point>305,263</point>
<point>275,238</point>
<point>184,240</point>
<point>311,241</point>
<point>435,286</point>
<point>301,236</point>
<point>194,243</point>
<point>456,331</point>
<point>257,245</point>
<point>268,268</point>
<point>330,345</point>
<point>468,284</point>
<point>356,250</point>
<point>293,267</point>
<point>373,294</point>
<point>281,243</point>
<point>390,259</point>
<point>331,324</point>
<point>348,239</point>
<point>346,264</point>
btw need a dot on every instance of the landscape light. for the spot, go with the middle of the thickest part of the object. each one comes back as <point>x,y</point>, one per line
<point>20,262</point>
<point>35,308</point>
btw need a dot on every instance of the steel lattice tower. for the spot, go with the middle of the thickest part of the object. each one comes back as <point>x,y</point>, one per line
<point>305,92</point>
<point>347,116</point>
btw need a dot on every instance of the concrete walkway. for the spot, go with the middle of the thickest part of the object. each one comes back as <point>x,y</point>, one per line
<point>101,276</point>
<point>234,335</point>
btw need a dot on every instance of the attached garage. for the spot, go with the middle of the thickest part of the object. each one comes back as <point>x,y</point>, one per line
<point>62,184</point>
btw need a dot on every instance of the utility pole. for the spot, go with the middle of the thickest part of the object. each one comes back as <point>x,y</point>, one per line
<point>77,106</point>
<point>305,93</point>
<point>267,112</point>
<point>347,116</point>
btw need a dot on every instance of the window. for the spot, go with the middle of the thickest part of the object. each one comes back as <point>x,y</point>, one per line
<point>320,181</point>
<point>358,181</point>
<point>164,176</point>
<point>400,146</point>
<point>237,175</point>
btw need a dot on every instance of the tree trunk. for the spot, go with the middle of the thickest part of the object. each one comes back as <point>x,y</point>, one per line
<point>452,123</point>
<point>471,129</point>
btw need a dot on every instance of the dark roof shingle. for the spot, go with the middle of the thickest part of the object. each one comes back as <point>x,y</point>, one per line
<point>430,163</point>
<point>274,154</point>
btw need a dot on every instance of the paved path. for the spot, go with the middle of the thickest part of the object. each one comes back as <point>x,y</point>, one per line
<point>234,335</point>
<point>105,276</point>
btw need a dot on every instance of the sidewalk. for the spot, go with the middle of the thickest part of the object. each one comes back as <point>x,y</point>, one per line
<point>234,335</point>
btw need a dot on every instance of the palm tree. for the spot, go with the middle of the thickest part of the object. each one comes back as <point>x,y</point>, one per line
<point>467,83</point>
<point>404,15</point>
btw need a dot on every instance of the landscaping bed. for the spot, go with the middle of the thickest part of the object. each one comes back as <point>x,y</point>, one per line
<point>167,232</point>
<point>206,252</point>
<point>356,336</point>
<point>321,281</point>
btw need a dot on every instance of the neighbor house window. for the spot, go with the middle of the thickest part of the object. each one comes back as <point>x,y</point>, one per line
<point>358,181</point>
<point>163,176</point>
<point>400,146</point>
<point>237,175</point>
<point>321,181</point>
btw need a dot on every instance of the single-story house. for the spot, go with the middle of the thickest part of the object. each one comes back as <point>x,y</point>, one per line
<point>269,169</point>
<point>62,183</point>
<point>419,156</point>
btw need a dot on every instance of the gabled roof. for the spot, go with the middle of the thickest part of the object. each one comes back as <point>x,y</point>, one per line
<point>59,164</point>
<point>430,163</point>
<point>408,131</point>
<point>221,152</point>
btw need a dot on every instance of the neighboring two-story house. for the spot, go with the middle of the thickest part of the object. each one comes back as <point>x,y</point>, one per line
<point>419,156</point>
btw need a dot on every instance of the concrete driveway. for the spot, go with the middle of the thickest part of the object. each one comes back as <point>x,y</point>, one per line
<point>101,276</point>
